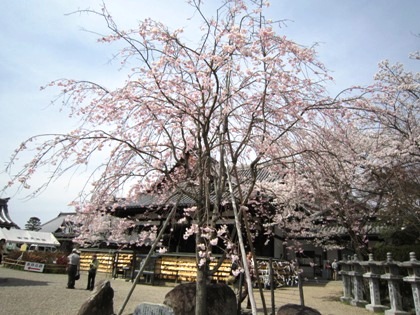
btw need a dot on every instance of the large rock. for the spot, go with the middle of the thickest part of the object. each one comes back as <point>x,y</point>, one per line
<point>100,302</point>
<point>221,300</point>
<point>294,309</point>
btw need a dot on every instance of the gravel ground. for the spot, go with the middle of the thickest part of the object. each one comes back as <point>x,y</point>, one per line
<point>23,292</point>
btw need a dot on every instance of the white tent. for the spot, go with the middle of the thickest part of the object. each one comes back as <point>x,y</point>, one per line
<point>29,237</point>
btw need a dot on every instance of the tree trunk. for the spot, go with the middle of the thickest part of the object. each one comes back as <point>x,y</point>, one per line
<point>201,281</point>
<point>201,291</point>
<point>151,251</point>
<point>242,248</point>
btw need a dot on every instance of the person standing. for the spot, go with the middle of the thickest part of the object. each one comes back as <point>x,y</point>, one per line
<point>73,268</point>
<point>23,247</point>
<point>328,270</point>
<point>2,248</point>
<point>334,266</point>
<point>93,267</point>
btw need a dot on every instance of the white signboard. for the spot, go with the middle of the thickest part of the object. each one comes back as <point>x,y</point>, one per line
<point>32,266</point>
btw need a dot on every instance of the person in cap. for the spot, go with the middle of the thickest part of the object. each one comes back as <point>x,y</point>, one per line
<point>93,267</point>
<point>2,248</point>
<point>73,268</point>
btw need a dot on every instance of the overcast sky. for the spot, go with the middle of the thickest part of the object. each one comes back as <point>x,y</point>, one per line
<point>40,42</point>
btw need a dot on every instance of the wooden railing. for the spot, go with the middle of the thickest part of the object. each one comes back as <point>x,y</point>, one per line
<point>20,264</point>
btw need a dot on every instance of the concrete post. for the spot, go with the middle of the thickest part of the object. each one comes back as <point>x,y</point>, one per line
<point>413,267</point>
<point>392,275</point>
<point>345,269</point>
<point>373,275</point>
<point>357,276</point>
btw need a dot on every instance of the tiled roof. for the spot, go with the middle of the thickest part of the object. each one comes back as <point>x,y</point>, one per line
<point>5,221</point>
<point>150,200</point>
<point>56,223</point>
<point>59,226</point>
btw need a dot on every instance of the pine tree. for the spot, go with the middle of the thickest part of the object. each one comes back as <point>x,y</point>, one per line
<point>33,224</point>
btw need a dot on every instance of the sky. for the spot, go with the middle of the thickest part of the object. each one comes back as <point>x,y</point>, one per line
<point>46,40</point>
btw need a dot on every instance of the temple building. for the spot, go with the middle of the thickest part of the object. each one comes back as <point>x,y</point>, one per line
<point>5,220</point>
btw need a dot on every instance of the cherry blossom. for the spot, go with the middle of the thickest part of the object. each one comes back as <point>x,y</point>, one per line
<point>190,119</point>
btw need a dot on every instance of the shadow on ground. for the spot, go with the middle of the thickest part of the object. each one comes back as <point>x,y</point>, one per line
<point>331,298</point>
<point>314,283</point>
<point>16,282</point>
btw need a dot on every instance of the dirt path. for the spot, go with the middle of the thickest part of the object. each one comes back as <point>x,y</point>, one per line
<point>23,292</point>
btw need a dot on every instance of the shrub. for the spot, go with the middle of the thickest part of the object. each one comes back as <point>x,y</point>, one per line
<point>399,253</point>
<point>58,258</point>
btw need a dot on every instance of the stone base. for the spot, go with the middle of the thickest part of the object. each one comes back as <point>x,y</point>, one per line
<point>294,309</point>
<point>394,312</point>
<point>345,299</point>
<point>153,309</point>
<point>359,303</point>
<point>376,308</point>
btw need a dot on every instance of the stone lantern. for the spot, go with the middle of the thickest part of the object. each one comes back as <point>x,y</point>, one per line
<point>373,274</point>
<point>356,274</point>
<point>392,275</point>
<point>345,269</point>
<point>413,268</point>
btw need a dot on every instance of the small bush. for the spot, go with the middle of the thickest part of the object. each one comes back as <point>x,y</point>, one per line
<point>54,262</point>
<point>58,258</point>
<point>399,253</point>
<point>15,254</point>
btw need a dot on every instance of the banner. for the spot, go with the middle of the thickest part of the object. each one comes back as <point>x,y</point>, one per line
<point>32,266</point>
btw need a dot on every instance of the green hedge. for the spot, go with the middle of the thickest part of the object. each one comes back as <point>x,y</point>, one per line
<point>399,253</point>
<point>59,258</point>
<point>54,262</point>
